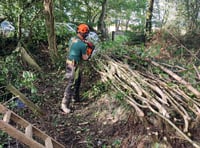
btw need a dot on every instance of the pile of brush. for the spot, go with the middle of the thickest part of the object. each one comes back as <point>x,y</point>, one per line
<point>169,97</point>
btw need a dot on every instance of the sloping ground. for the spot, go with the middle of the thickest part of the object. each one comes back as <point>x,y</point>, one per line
<point>100,120</point>
<point>92,123</point>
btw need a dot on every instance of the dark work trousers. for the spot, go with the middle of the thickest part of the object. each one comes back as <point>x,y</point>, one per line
<point>73,75</point>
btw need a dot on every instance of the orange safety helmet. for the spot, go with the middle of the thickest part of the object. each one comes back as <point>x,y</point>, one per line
<point>83,28</point>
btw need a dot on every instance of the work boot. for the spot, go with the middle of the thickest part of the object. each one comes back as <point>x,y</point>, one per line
<point>77,98</point>
<point>65,104</point>
<point>64,108</point>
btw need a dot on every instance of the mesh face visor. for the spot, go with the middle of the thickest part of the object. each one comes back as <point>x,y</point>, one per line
<point>86,34</point>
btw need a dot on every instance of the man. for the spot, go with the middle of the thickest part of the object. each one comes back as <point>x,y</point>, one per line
<point>79,49</point>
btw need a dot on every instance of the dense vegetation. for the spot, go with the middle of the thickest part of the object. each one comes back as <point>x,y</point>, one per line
<point>154,54</point>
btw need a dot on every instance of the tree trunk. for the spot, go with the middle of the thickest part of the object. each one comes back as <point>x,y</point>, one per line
<point>19,32</point>
<point>149,15</point>
<point>193,15</point>
<point>127,24</point>
<point>101,22</point>
<point>49,19</point>
<point>117,24</point>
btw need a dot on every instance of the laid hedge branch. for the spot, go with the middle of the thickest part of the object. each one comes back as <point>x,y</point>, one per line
<point>197,72</point>
<point>179,79</point>
<point>28,58</point>
<point>36,110</point>
<point>176,128</point>
<point>144,90</point>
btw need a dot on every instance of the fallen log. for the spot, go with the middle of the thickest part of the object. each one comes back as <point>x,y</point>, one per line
<point>27,58</point>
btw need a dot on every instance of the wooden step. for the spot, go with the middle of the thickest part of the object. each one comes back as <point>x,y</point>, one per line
<point>6,117</point>
<point>48,142</point>
<point>28,131</point>
<point>30,134</point>
<point>15,133</point>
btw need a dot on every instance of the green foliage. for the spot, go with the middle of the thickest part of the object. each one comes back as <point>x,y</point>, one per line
<point>135,37</point>
<point>28,80</point>
<point>13,71</point>
<point>97,90</point>
<point>152,52</point>
<point>115,47</point>
<point>117,143</point>
<point>30,12</point>
<point>119,96</point>
<point>38,31</point>
<point>63,34</point>
<point>128,9</point>
<point>10,68</point>
<point>62,52</point>
<point>3,138</point>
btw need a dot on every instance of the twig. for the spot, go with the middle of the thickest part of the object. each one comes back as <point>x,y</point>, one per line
<point>181,111</point>
<point>9,100</point>
<point>147,91</point>
<point>198,74</point>
<point>140,113</point>
<point>174,66</point>
<point>175,127</point>
<point>183,45</point>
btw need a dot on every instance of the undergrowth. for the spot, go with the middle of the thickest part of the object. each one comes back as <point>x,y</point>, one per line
<point>161,48</point>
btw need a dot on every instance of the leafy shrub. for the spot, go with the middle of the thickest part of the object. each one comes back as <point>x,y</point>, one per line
<point>13,71</point>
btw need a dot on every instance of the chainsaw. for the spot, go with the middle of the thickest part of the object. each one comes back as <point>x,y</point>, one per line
<point>92,42</point>
<point>90,48</point>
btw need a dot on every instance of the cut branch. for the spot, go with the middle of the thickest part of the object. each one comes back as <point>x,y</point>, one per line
<point>36,110</point>
<point>147,91</point>
<point>179,79</point>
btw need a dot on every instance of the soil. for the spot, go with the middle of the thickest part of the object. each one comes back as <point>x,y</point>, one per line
<point>99,121</point>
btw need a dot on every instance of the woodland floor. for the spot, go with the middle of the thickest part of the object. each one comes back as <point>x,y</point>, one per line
<point>99,122</point>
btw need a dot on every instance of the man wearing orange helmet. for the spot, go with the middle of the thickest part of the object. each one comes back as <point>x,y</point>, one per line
<point>79,49</point>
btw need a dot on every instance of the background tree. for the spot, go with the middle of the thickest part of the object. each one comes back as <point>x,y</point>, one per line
<point>101,21</point>
<point>191,14</point>
<point>48,11</point>
<point>149,15</point>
